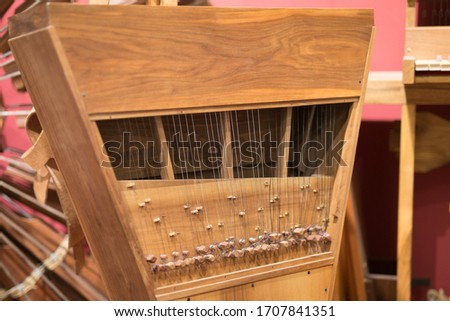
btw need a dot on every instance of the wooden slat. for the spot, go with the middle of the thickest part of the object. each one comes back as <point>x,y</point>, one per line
<point>105,211</point>
<point>427,42</point>
<point>344,173</point>
<point>309,285</point>
<point>162,142</point>
<point>246,52</point>
<point>39,240</point>
<point>385,88</point>
<point>428,94</point>
<point>409,69</point>
<point>227,150</point>
<point>411,13</point>
<point>405,202</point>
<point>283,148</point>
<point>32,202</point>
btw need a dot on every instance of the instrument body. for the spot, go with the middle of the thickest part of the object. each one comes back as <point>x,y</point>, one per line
<point>207,151</point>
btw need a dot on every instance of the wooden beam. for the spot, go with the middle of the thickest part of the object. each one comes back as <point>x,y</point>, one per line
<point>283,147</point>
<point>32,202</point>
<point>405,202</point>
<point>409,70</point>
<point>227,150</point>
<point>427,42</point>
<point>385,88</point>
<point>162,144</point>
<point>105,211</point>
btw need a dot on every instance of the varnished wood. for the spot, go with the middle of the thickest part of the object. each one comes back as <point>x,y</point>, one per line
<point>213,66</point>
<point>305,285</point>
<point>220,79</point>
<point>427,42</point>
<point>409,69</point>
<point>124,264</point>
<point>405,202</point>
<point>385,88</point>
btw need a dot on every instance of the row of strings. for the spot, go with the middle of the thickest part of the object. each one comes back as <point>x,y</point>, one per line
<point>196,148</point>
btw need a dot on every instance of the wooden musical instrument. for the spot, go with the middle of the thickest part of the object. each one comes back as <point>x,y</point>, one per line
<point>207,151</point>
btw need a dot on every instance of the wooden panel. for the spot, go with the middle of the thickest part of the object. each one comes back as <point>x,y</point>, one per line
<point>70,124</point>
<point>385,88</point>
<point>218,56</point>
<point>428,94</point>
<point>405,202</point>
<point>167,207</point>
<point>312,285</point>
<point>427,42</point>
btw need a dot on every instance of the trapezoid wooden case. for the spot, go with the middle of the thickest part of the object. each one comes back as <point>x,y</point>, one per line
<point>207,151</point>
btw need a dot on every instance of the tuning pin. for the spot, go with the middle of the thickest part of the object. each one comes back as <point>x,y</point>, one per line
<point>239,253</point>
<point>265,247</point>
<point>257,228</point>
<point>231,197</point>
<point>175,254</point>
<point>273,237</point>
<point>286,233</point>
<point>209,227</point>
<point>185,253</point>
<point>202,249</point>
<point>199,208</point>
<point>155,268</point>
<point>141,205</point>
<point>260,209</point>
<point>299,231</point>
<point>242,241</point>
<point>189,261</point>
<point>220,224</point>
<point>242,214</point>
<point>186,206</point>
<point>213,247</point>
<point>224,246</point>
<point>157,220</point>
<point>163,257</point>
<point>162,267</point>
<point>285,244</point>
<point>276,198</point>
<point>266,183</point>
<point>151,258</point>
<point>172,234</point>
<point>249,250</point>
<point>210,258</point>
<point>251,240</point>
<point>170,265</point>
<point>302,187</point>
<point>199,259</point>
<point>274,247</point>
<point>194,212</point>
<point>180,264</point>
<point>258,249</point>
<point>326,237</point>
<point>147,200</point>
<point>131,185</point>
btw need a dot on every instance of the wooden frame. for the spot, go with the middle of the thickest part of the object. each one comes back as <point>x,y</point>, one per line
<point>153,83</point>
